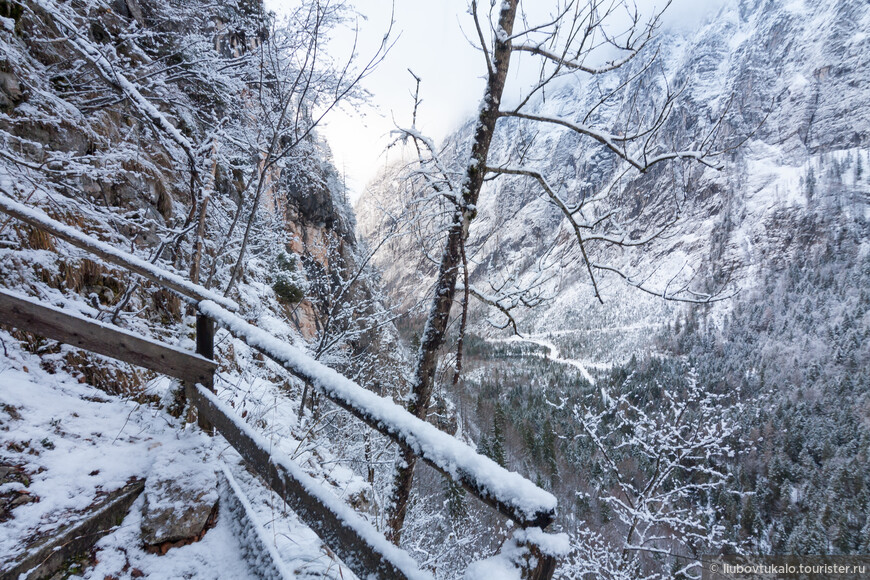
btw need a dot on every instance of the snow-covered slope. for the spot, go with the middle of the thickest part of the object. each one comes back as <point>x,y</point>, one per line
<point>131,121</point>
<point>789,78</point>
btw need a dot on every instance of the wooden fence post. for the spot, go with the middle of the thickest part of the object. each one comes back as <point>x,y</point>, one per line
<point>540,566</point>
<point>205,348</point>
<point>205,337</point>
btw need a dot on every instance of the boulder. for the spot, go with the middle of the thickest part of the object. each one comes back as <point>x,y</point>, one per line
<point>181,499</point>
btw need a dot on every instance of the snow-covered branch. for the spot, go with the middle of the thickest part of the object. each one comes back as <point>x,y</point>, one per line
<point>662,455</point>
<point>110,253</point>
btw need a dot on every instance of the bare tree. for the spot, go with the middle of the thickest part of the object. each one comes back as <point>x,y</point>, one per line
<point>578,38</point>
<point>677,445</point>
<point>297,86</point>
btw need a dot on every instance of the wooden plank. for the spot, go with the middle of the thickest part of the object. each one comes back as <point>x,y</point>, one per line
<point>112,254</point>
<point>47,556</point>
<point>75,330</point>
<point>353,549</point>
<point>541,519</point>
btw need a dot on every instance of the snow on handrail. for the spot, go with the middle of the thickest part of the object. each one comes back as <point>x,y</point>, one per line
<point>507,491</point>
<point>109,253</point>
<point>356,541</point>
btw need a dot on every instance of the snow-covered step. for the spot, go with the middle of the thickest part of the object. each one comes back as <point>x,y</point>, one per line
<point>257,550</point>
<point>45,556</point>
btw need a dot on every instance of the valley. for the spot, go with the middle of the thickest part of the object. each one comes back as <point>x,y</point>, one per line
<point>615,324</point>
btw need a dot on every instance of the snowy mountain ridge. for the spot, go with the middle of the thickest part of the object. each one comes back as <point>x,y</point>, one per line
<point>785,223</point>
<point>787,76</point>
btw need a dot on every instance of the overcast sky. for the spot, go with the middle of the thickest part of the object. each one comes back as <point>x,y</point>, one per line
<point>431,41</point>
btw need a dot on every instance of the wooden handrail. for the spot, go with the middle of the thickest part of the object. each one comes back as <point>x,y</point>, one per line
<point>21,312</point>
<point>113,255</point>
<point>508,493</point>
<point>359,545</point>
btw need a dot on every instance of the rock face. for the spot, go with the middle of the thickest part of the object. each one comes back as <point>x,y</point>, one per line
<point>109,170</point>
<point>14,481</point>
<point>786,75</point>
<point>10,91</point>
<point>180,501</point>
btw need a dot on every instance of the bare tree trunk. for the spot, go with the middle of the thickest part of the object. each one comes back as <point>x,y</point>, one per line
<point>235,273</point>
<point>200,241</point>
<point>435,331</point>
<point>199,245</point>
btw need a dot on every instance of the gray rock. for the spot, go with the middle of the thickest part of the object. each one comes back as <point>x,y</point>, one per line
<point>135,10</point>
<point>10,85</point>
<point>178,501</point>
<point>10,91</point>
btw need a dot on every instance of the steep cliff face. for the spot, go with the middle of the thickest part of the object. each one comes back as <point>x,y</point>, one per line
<point>786,77</point>
<point>167,129</point>
<point>171,176</point>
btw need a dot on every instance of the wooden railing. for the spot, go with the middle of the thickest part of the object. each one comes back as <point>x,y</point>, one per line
<point>350,536</point>
<point>105,339</point>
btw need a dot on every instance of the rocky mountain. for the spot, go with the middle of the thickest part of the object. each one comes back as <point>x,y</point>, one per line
<point>785,81</point>
<point>781,228</point>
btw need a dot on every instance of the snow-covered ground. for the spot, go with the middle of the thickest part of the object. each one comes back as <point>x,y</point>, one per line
<point>75,443</point>
<point>553,354</point>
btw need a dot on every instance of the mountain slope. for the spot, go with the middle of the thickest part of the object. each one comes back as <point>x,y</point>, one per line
<point>784,76</point>
<point>786,222</point>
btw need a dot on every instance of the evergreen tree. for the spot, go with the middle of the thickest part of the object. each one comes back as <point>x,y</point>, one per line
<point>497,442</point>
<point>810,184</point>
<point>454,500</point>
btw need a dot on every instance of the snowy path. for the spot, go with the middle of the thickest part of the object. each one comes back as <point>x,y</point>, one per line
<point>552,355</point>
<point>74,442</point>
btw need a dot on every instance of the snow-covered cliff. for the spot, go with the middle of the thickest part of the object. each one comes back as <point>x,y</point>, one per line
<point>788,84</point>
